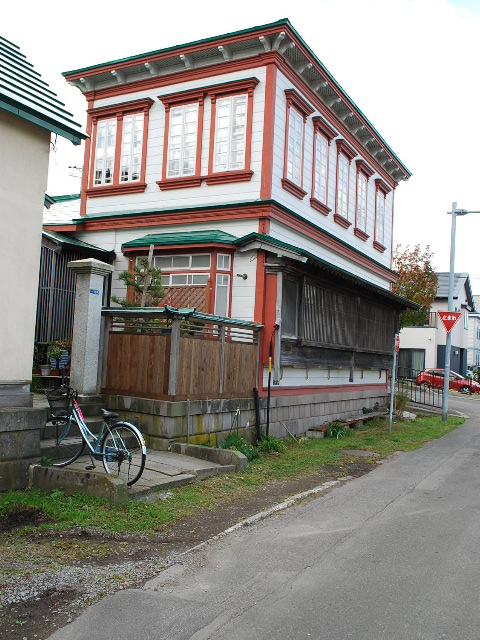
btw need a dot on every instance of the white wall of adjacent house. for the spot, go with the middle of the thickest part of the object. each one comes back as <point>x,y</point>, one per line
<point>205,195</point>
<point>24,149</point>
<point>460,330</point>
<point>421,338</point>
<point>303,207</point>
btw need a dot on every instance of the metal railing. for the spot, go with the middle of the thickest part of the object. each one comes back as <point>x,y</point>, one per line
<point>406,383</point>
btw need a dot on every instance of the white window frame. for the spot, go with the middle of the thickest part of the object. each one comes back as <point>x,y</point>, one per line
<point>321,168</point>
<point>361,214</point>
<point>184,110</point>
<point>105,123</point>
<point>343,172</point>
<point>134,139</point>
<point>230,164</point>
<point>225,278</point>
<point>189,276</point>
<point>296,124</point>
<point>183,267</point>
<point>380,216</point>
<point>222,259</point>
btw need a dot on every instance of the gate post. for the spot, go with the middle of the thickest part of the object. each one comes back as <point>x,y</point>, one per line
<point>86,326</point>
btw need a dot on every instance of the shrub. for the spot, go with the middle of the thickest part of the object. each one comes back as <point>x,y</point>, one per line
<point>336,430</point>
<point>400,402</point>
<point>233,441</point>
<point>270,444</point>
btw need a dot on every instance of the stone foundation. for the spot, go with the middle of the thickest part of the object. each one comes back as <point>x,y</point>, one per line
<point>210,421</point>
<point>20,429</point>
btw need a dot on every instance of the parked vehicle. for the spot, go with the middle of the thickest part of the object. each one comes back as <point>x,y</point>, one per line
<point>436,377</point>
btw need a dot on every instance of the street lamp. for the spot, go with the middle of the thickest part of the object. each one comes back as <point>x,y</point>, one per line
<point>455,212</point>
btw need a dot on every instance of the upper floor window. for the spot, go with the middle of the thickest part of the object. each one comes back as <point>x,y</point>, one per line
<point>297,112</point>
<point>381,190</point>
<point>345,154</point>
<point>118,154</point>
<point>323,135</point>
<point>230,134</point>
<point>231,131</point>
<point>182,141</point>
<point>363,173</point>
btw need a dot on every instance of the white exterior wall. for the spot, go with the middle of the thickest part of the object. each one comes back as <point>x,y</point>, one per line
<point>303,208</point>
<point>326,377</point>
<point>23,181</point>
<point>243,291</point>
<point>421,338</point>
<point>153,199</point>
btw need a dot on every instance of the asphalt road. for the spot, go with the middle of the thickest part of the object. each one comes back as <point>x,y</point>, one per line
<point>393,554</point>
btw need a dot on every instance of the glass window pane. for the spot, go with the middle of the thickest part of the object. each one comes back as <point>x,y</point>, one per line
<point>201,260</point>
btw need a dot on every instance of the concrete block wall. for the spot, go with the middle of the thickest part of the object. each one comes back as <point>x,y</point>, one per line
<point>20,430</point>
<point>210,421</point>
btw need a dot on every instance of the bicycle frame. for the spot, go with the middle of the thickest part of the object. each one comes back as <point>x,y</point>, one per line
<point>86,433</point>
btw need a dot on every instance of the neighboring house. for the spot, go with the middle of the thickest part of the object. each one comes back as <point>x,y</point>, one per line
<point>424,347</point>
<point>266,194</point>
<point>56,284</point>
<point>29,113</point>
<point>473,355</point>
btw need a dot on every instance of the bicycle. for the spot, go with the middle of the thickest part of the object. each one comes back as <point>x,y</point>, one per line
<point>119,444</point>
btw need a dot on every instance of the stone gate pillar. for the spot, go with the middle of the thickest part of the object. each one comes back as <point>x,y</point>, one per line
<point>87,322</point>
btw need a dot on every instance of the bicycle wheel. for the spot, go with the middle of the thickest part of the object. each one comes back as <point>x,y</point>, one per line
<point>63,445</point>
<point>123,452</point>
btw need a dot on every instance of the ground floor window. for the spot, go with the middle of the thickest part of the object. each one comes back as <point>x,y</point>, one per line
<point>410,362</point>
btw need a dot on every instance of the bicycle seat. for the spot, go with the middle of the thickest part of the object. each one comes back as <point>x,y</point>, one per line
<point>109,415</point>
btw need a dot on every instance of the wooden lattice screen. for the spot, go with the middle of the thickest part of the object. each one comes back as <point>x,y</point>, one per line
<point>184,297</point>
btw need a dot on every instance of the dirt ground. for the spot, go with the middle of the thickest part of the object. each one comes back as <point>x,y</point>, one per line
<point>38,617</point>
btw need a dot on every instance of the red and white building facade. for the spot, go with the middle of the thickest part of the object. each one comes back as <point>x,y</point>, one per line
<point>254,175</point>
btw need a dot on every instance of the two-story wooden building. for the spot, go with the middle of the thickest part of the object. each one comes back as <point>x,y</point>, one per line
<point>268,196</point>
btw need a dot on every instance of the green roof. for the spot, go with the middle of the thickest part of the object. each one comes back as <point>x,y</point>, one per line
<point>65,198</point>
<point>63,240</point>
<point>26,95</point>
<point>325,264</point>
<point>186,237</point>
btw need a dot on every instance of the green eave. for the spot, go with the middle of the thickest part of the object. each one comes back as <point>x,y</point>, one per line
<point>269,240</point>
<point>185,238</point>
<point>68,241</point>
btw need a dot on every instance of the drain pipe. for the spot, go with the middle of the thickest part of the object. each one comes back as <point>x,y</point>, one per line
<point>258,434</point>
<point>269,385</point>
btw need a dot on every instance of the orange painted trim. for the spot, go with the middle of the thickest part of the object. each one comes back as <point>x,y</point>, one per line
<point>228,176</point>
<point>320,129</point>
<point>320,207</point>
<point>198,160</point>
<point>174,249</point>
<point>92,159</point>
<point>269,317</point>
<point>391,234</point>
<point>321,126</point>
<point>343,222</point>
<point>86,162</point>
<point>211,146</point>
<point>337,214</point>
<point>125,108</point>
<point>379,247</point>
<point>268,132</point>
<point>295,99</point>
<point>179,183</point>
<point>363,167</point>
<point>116,189</point>
<point>379,189</point>
<point>293,188</point>
<point>264,225</point>
<point>361,234</point>
<point>118,152</point>
<point>63,227</point>
<point>259,288</point>
<point>384,188</point>
<point>322,390</point>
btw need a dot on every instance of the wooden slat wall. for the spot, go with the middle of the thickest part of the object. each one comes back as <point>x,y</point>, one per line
<point>138,365</point>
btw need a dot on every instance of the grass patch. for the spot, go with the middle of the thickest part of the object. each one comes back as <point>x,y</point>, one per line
<point>304,457</point>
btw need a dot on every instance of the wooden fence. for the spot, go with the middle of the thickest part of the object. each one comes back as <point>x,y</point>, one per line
<point>177,355</point>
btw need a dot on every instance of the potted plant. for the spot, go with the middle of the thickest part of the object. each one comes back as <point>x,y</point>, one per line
<point>36,361</point>
<point>54,354</point>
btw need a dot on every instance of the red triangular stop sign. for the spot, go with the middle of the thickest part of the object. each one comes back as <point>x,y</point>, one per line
<point>449,319</point>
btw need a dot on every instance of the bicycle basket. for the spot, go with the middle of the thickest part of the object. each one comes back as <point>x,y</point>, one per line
<point>59,401</point>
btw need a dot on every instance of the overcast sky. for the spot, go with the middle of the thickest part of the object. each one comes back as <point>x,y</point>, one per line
<point>411,66</point>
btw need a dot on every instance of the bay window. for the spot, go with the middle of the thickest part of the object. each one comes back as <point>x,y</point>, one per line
<point>323,135</point>
<point>118,155</point>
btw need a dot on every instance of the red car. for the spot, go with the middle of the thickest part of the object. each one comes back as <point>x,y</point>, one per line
<point>435,378</point>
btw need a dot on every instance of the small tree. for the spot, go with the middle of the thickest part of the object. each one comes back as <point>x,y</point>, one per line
<point>146,280</point>
<point>417,282</point>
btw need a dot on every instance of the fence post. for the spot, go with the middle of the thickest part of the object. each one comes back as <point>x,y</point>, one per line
<point>104,338</point>
<point>222,355</point>
<point>174,356</point>
<point>86,327</point>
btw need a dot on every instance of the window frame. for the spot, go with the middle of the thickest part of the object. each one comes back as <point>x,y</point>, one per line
<point>346,153</point>
<point>182,99</point>
<point>364,172</point>
<point>229,90</point>
<point>118,112</point>
<point>381,191</point>
<point>295,101</point>
<point>324,130</point>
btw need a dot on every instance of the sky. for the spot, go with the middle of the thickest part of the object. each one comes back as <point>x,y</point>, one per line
<point>411,66</point>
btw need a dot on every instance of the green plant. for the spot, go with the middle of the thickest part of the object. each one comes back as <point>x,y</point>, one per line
<point>54,352</point>
<point>233,441</point>
<point>270,444</point>
<point>144,279</point>
<point>45,461</point>
<point>400,403</point>
<point>336,430</point>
